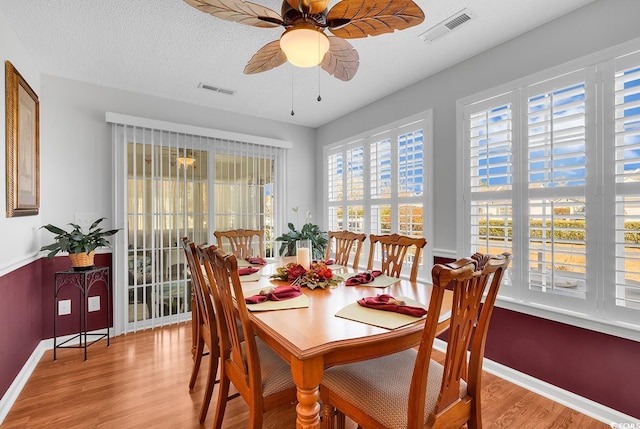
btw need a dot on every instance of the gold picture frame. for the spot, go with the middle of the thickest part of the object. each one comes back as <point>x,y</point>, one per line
<point>23,145</point>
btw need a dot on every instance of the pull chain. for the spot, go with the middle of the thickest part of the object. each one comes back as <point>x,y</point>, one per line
<point>292,112</point>
<point>319,97</point>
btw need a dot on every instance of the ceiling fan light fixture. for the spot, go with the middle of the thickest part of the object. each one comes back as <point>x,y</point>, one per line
<point>304,45</point>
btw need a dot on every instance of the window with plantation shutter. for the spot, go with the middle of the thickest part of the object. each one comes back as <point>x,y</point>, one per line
<point>334,182</point>
<point>550,171</point>
<point>555,136</point>
<point>490,178</point>
<point>385,178</point>
<point>627,185</point>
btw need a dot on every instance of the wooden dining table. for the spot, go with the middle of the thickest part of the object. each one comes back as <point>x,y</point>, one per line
<point>312,339</point>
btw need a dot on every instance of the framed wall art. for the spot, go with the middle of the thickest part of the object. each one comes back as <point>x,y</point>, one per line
<point>23,145</point>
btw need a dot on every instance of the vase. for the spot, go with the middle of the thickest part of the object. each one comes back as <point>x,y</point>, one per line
<point>82,261</point>
<point>303,253</point>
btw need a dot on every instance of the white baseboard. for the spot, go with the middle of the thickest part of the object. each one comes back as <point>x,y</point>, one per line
<point>10,396</point>
<point>569,399</point>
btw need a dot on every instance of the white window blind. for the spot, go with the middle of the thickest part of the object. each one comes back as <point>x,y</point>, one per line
<point>174,184</point>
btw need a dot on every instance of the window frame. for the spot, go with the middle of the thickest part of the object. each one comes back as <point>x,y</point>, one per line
<point>365,139</point>
<point>598,311</point>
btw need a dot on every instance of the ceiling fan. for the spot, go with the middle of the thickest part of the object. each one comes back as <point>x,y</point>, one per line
<point>304,42</point>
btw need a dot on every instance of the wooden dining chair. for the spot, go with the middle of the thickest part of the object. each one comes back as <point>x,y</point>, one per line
<point>242,242</point>
<point>393,250</point>
<point>410,390</point>
<point>261,377</point>
<point>345,241</point>
<point>206,329</point>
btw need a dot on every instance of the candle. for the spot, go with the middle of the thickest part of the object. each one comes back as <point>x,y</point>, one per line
<point>304,257</point>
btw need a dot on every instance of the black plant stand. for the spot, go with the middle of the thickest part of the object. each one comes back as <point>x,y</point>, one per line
<point>84,281</point>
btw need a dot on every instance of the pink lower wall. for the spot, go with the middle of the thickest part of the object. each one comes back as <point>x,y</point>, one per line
<point>26,312</point>
<point>20,320</point>
<point>600,367</point>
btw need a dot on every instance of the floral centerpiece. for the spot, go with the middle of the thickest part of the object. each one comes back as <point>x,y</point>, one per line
<point>319,275</point>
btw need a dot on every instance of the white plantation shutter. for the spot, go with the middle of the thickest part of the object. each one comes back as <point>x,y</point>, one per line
<point>550,170</point>
<point>410,163</point>
<point>335,186</point>
<point>386,182</point>
<point>355,189</point>
<point>355,174</point>
<point>380,164</point>
<point>381,172</point>
<point>490,146</point>
<point>626,296</point>
<point>556,159</point>
<point>336,172</point>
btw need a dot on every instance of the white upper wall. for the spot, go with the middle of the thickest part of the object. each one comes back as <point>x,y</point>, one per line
<point>599,25</point>
<point>19,234</point>
<point>76,146</point>
<point>75,149</point>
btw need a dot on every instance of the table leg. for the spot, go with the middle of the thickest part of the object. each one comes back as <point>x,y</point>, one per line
<point>307,375</point>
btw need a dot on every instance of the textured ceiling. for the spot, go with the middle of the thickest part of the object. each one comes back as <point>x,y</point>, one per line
<point>166,48</point>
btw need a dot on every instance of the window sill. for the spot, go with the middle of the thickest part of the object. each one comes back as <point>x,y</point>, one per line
<point>618,329</point>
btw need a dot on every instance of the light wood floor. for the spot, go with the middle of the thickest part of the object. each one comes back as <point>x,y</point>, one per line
<point>141,381</point>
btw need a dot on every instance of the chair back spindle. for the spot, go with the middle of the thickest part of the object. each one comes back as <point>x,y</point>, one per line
<point>345,241</point>
<point>393,251</point>
<point>242,242</point>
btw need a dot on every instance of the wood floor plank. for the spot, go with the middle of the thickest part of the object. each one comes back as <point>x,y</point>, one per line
<point>141,381</point>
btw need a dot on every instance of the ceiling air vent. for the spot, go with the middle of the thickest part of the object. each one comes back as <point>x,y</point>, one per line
<point>447,26</point>
<point>216,89</point>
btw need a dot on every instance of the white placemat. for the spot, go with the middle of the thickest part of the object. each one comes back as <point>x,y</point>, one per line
<point>380,318</point>
<point>250,277</point>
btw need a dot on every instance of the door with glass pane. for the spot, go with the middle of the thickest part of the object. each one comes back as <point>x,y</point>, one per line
<point>243,193</point>
<point>167,192</point>
<point>179,185</point>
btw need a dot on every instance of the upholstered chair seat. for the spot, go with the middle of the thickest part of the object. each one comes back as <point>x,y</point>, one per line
<point>385,394</point>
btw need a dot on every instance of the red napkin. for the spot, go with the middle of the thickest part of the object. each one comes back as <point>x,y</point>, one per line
<point>362,278</point>
<point>257,261</point>
<point>388,303</point>
<point>279,293</point>
<point>245,271</point>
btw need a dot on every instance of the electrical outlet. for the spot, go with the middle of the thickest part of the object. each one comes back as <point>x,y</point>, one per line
<point>64,307</point>
<point>94,303</point>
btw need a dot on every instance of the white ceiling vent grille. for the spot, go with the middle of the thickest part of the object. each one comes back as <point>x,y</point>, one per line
<point>216,89</point>
<point>447,26</point>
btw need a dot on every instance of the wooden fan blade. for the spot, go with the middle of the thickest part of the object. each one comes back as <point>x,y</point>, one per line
<point>341,60</point>
<point>268,57</point>
<point>372,17</point>
<point>239,11</point>
<point>309,6</point>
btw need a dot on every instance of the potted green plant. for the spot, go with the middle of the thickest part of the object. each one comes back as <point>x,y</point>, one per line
<point>81,246</point>
<point>310,232</point>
